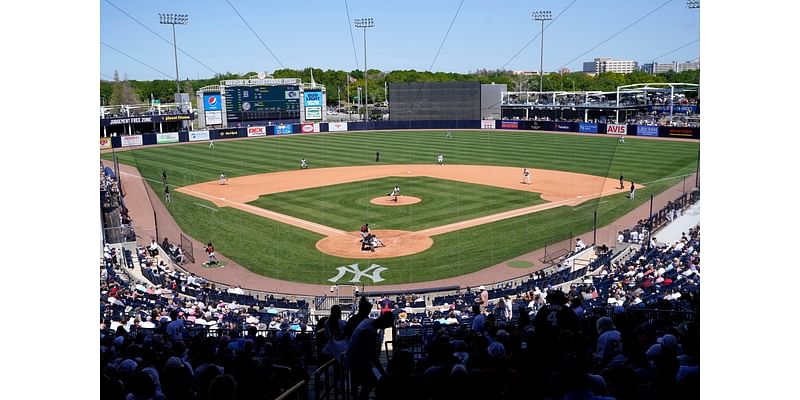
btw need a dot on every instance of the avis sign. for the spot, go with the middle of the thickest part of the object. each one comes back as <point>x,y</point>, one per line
<point>617,129</point>
<point>373,272</point>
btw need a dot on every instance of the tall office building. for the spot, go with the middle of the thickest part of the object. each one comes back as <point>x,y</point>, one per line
<point>604,64</point>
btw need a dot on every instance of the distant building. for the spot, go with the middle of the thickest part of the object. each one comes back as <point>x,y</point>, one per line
<point>660,68</point>
<point>525,73</point>
<point>603,64</point>
<point>564,70</point>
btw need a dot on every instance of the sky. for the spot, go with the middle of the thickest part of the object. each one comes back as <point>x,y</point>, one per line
<point>407,35</point>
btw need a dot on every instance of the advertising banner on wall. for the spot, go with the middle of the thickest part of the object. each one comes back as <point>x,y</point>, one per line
<point>616,129</point>
<point>212,102</point>
<point>213,117</point>
<point>292,94</point>
<point>509,124</point>
<point>646,130</point>
<point>226,133</point>
<point>256,131</point>
<point>169,137</point>
<point>563,126</point>
<point>316,127</point>
<point>131,140</point>
<point>337,126</point>
<point>541,125</point>
<point>198,135</point>
<point>313,113</point>
<point>586,127</point>
<point>679,132</point>
<point>487,124</point>
<point>312,98</point>
<point>105,143</point>
<point>283,129</point>
<point>307,128</point>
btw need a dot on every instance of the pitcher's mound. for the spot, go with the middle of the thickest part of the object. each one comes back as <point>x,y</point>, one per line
<point>401,200</point>
<point>397,244</point>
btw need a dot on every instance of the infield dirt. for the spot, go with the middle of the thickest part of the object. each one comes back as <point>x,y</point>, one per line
<point>557,187</point>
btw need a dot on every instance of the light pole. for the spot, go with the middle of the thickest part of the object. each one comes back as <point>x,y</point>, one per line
<point>542,16</point>
<point>365,23</point>
<point>175,19</point>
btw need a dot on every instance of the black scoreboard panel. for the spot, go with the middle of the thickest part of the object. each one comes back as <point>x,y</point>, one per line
<point>435,101</point>
<point>254,103</point>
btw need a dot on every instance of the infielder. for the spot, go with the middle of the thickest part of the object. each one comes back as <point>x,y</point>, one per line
<point>440,159</point>
<point>222,179</point>
<point>633,190</point>
<point>621,182</point>
<point>303,164</point>
<point>526,176</point>
<point>166,194</point>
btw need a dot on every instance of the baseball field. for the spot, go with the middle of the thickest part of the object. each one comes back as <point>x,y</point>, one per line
<point>473,212</point>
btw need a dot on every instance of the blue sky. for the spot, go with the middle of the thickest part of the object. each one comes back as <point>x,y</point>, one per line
<point>407,34</point>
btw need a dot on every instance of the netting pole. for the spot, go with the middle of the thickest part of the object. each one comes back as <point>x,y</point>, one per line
<point>594,237</point>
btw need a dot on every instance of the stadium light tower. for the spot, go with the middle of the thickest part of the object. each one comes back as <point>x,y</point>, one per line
<point>365,23</point>
<point>175,19</point>
<point>693,3</point>
<point>542,16</point>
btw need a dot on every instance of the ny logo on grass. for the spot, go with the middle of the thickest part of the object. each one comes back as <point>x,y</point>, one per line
<point>357,273</point>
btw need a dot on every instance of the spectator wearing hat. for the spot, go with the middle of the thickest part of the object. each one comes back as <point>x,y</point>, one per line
<point>609,343</point>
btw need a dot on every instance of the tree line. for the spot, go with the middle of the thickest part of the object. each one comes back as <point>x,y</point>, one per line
<point>342,86</point>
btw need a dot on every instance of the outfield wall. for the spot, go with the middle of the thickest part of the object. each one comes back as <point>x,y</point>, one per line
<point>310,128</point>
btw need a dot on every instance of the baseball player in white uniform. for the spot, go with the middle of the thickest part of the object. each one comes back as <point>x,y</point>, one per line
<point>526,176</point>
<point>440,159</point>
<point>395,193</point>
<point>222,179</point>
<point>211,144</point>
<point>303,164</point>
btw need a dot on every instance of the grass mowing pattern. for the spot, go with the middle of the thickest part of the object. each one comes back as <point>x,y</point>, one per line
<point>347,206</point>
<point>285,252</point>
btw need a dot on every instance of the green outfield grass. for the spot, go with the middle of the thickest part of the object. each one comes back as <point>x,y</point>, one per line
<point>285,252</point>
<point>347,206</point>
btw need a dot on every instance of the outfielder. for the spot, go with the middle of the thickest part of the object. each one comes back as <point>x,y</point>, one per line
<point>633,190</point>
<point>440,159</point>
<point>449,135</point>
<point>526,176</point>
<point>211,145</point>
<point>622,138</point>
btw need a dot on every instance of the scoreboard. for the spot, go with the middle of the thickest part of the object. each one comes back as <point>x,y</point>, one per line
<point>258,103</point>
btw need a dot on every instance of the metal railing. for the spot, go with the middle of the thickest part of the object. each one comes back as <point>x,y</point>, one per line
<point>331,381</point>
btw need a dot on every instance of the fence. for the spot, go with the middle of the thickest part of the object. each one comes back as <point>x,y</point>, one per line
<point>186,247</point>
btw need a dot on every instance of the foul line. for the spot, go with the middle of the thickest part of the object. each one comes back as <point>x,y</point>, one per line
<point>668,178</point>
<point>203,205</point>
